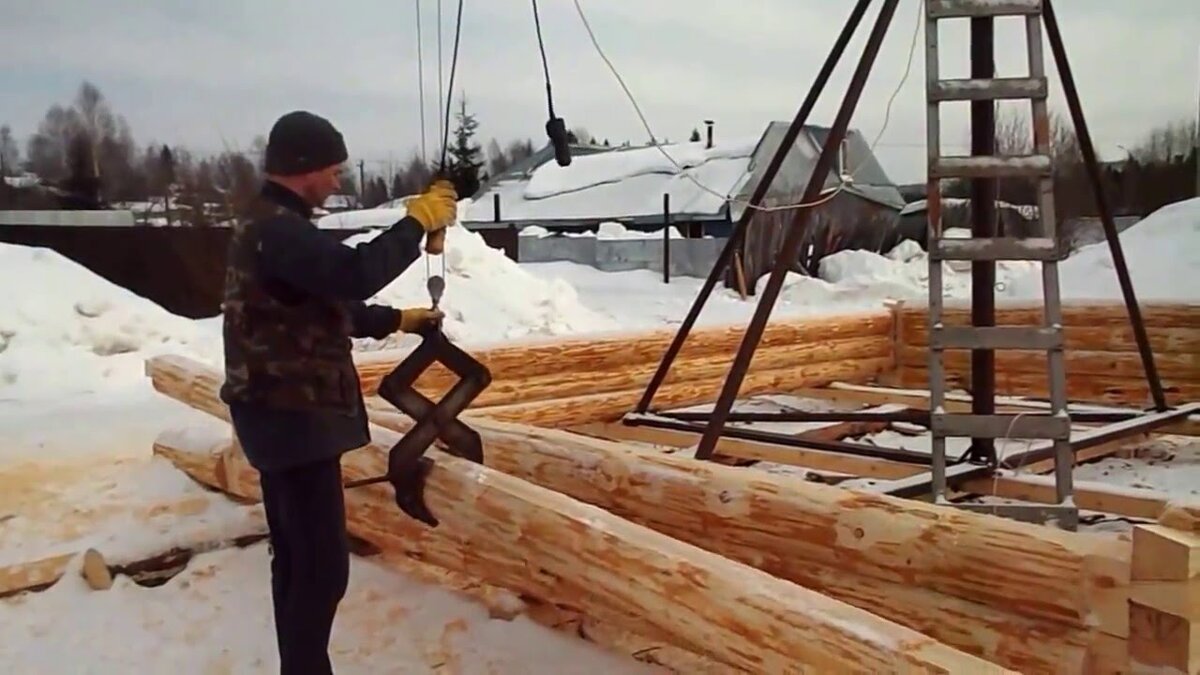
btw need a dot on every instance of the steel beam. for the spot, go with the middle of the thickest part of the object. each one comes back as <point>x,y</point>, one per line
<point>756,199</point>
<point>787,253</point>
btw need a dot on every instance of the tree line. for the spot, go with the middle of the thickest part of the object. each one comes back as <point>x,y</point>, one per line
<point>1159,170</point>
<point>85,156</point>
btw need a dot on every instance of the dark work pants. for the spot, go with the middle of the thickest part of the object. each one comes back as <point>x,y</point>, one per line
<point>310,561</point>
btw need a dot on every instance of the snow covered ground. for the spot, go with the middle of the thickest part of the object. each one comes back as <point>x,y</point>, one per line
<point>77,419</point>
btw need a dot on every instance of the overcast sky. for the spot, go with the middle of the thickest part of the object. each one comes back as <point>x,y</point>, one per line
<point>204,74</point>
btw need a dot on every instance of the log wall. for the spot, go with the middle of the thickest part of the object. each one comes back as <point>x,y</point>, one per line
<point>600,379</point>
<point>1103,363</point>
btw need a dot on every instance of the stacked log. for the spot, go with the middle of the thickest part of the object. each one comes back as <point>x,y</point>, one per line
<point>1022,595</point>
<point>597,380</point>
<point>535,541</point>
<point>1103,362</point>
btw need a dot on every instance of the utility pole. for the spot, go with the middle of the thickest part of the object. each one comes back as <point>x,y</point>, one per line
<point>362,183</point>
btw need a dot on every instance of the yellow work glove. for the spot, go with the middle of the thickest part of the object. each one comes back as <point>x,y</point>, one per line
<point>436,208</point>
<point>419,319</point>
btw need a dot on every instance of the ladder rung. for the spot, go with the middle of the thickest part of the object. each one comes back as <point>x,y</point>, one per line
<point>1000,337</point>
<point>956,9</point>
<point>989,89</point>
<point>991,166</point>
<point>1055,427</point>
<point>999,248</point>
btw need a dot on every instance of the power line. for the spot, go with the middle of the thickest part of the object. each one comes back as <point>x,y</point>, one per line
<point>421,81</point>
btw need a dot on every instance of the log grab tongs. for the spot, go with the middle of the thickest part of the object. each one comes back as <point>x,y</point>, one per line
<point>408,467</point>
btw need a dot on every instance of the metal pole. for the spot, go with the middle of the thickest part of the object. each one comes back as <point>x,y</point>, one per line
<point>791,244</point>
<point>666,238</point>
<point>760,192</point>
<point>1106,217</point>
<point>983,225</point>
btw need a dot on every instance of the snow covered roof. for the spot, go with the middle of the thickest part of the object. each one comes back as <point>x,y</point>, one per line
<point>25,180</point>
<point>628,184</point>
<point>339,202</point>
<point>68,218</point>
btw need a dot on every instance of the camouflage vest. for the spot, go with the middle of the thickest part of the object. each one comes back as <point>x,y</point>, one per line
<point>283,348</point>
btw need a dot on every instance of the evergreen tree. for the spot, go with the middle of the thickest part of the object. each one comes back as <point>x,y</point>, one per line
<point>466,157</point>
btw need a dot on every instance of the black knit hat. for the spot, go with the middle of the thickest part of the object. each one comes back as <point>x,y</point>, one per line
<point>301,142</point>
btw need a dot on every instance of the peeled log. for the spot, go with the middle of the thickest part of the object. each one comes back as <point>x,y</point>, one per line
<point>1093,339</point>
<point>614,352</point>
<point>1090,388</point>
<point>536,541</point>
<point>790,527</point>
<point>1183,515</point>
<point>223,466</point>
<point>572,383</point>
<point>1121,365</point>
<point>609,407</point>
<point>1097,314</point>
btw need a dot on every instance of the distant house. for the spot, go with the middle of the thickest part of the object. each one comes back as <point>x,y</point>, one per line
<point>635,185</point>
<point>338,203</point>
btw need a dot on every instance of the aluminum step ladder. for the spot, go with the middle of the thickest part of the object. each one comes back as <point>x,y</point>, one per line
<point>1055,427</point>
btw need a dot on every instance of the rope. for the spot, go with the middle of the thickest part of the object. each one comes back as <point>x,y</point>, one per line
<point>453,70</point>
<point>537,24</point>
<point>421,83</point>
<point>441,93</point>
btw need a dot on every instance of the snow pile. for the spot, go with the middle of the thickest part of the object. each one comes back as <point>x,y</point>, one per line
<point>215,617</point>
<point>856,279</point>
<point>534,231</point>
<point>1161,252</point>
<point>64,329</point>
<point>361,220</point>
<point>614,231</point>
<point>550,179</point>
<point>488,296</point>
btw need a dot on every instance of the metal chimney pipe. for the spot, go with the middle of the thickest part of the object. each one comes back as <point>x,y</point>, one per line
<point>709,124</point>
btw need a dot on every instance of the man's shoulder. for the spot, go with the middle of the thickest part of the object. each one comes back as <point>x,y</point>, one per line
<point>283,225</point>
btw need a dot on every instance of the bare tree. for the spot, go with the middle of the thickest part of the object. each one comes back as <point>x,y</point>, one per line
<point>10,154</point>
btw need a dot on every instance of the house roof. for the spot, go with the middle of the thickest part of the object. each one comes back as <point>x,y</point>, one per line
<point>628,184</point>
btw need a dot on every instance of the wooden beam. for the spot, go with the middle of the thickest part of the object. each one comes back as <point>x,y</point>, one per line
<point>817,460</point>
<point>536,541</point>
<point>1164,602</point>
<point>1132,502</point>
<point>861,394</point>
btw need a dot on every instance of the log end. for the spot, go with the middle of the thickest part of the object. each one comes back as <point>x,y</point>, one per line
<point>95,571</point>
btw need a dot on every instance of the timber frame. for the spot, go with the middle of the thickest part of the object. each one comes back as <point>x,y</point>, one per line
<point>980,460</point>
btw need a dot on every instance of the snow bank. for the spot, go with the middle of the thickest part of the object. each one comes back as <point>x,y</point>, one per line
<point>534,231</point>
<point>488,296</point>
<point>614,231</point>
<point>1161,252</point>
<point>215,617</point>
<point>64,329</point>
<point>361,220</point>
<point>588,171</point>
<point>858,279</point>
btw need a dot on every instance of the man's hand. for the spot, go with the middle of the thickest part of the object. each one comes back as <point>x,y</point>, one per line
<point>436,208</point>
<point>419,319</point>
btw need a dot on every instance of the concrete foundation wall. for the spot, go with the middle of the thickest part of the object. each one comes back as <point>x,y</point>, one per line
<point>689,257</point>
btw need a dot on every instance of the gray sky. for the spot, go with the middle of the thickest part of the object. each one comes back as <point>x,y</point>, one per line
<point>203,74</point>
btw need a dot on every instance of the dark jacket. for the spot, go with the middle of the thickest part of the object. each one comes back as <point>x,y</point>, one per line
<point>294,297</point>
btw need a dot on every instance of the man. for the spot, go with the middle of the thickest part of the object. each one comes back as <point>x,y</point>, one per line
<point>293,299</point>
